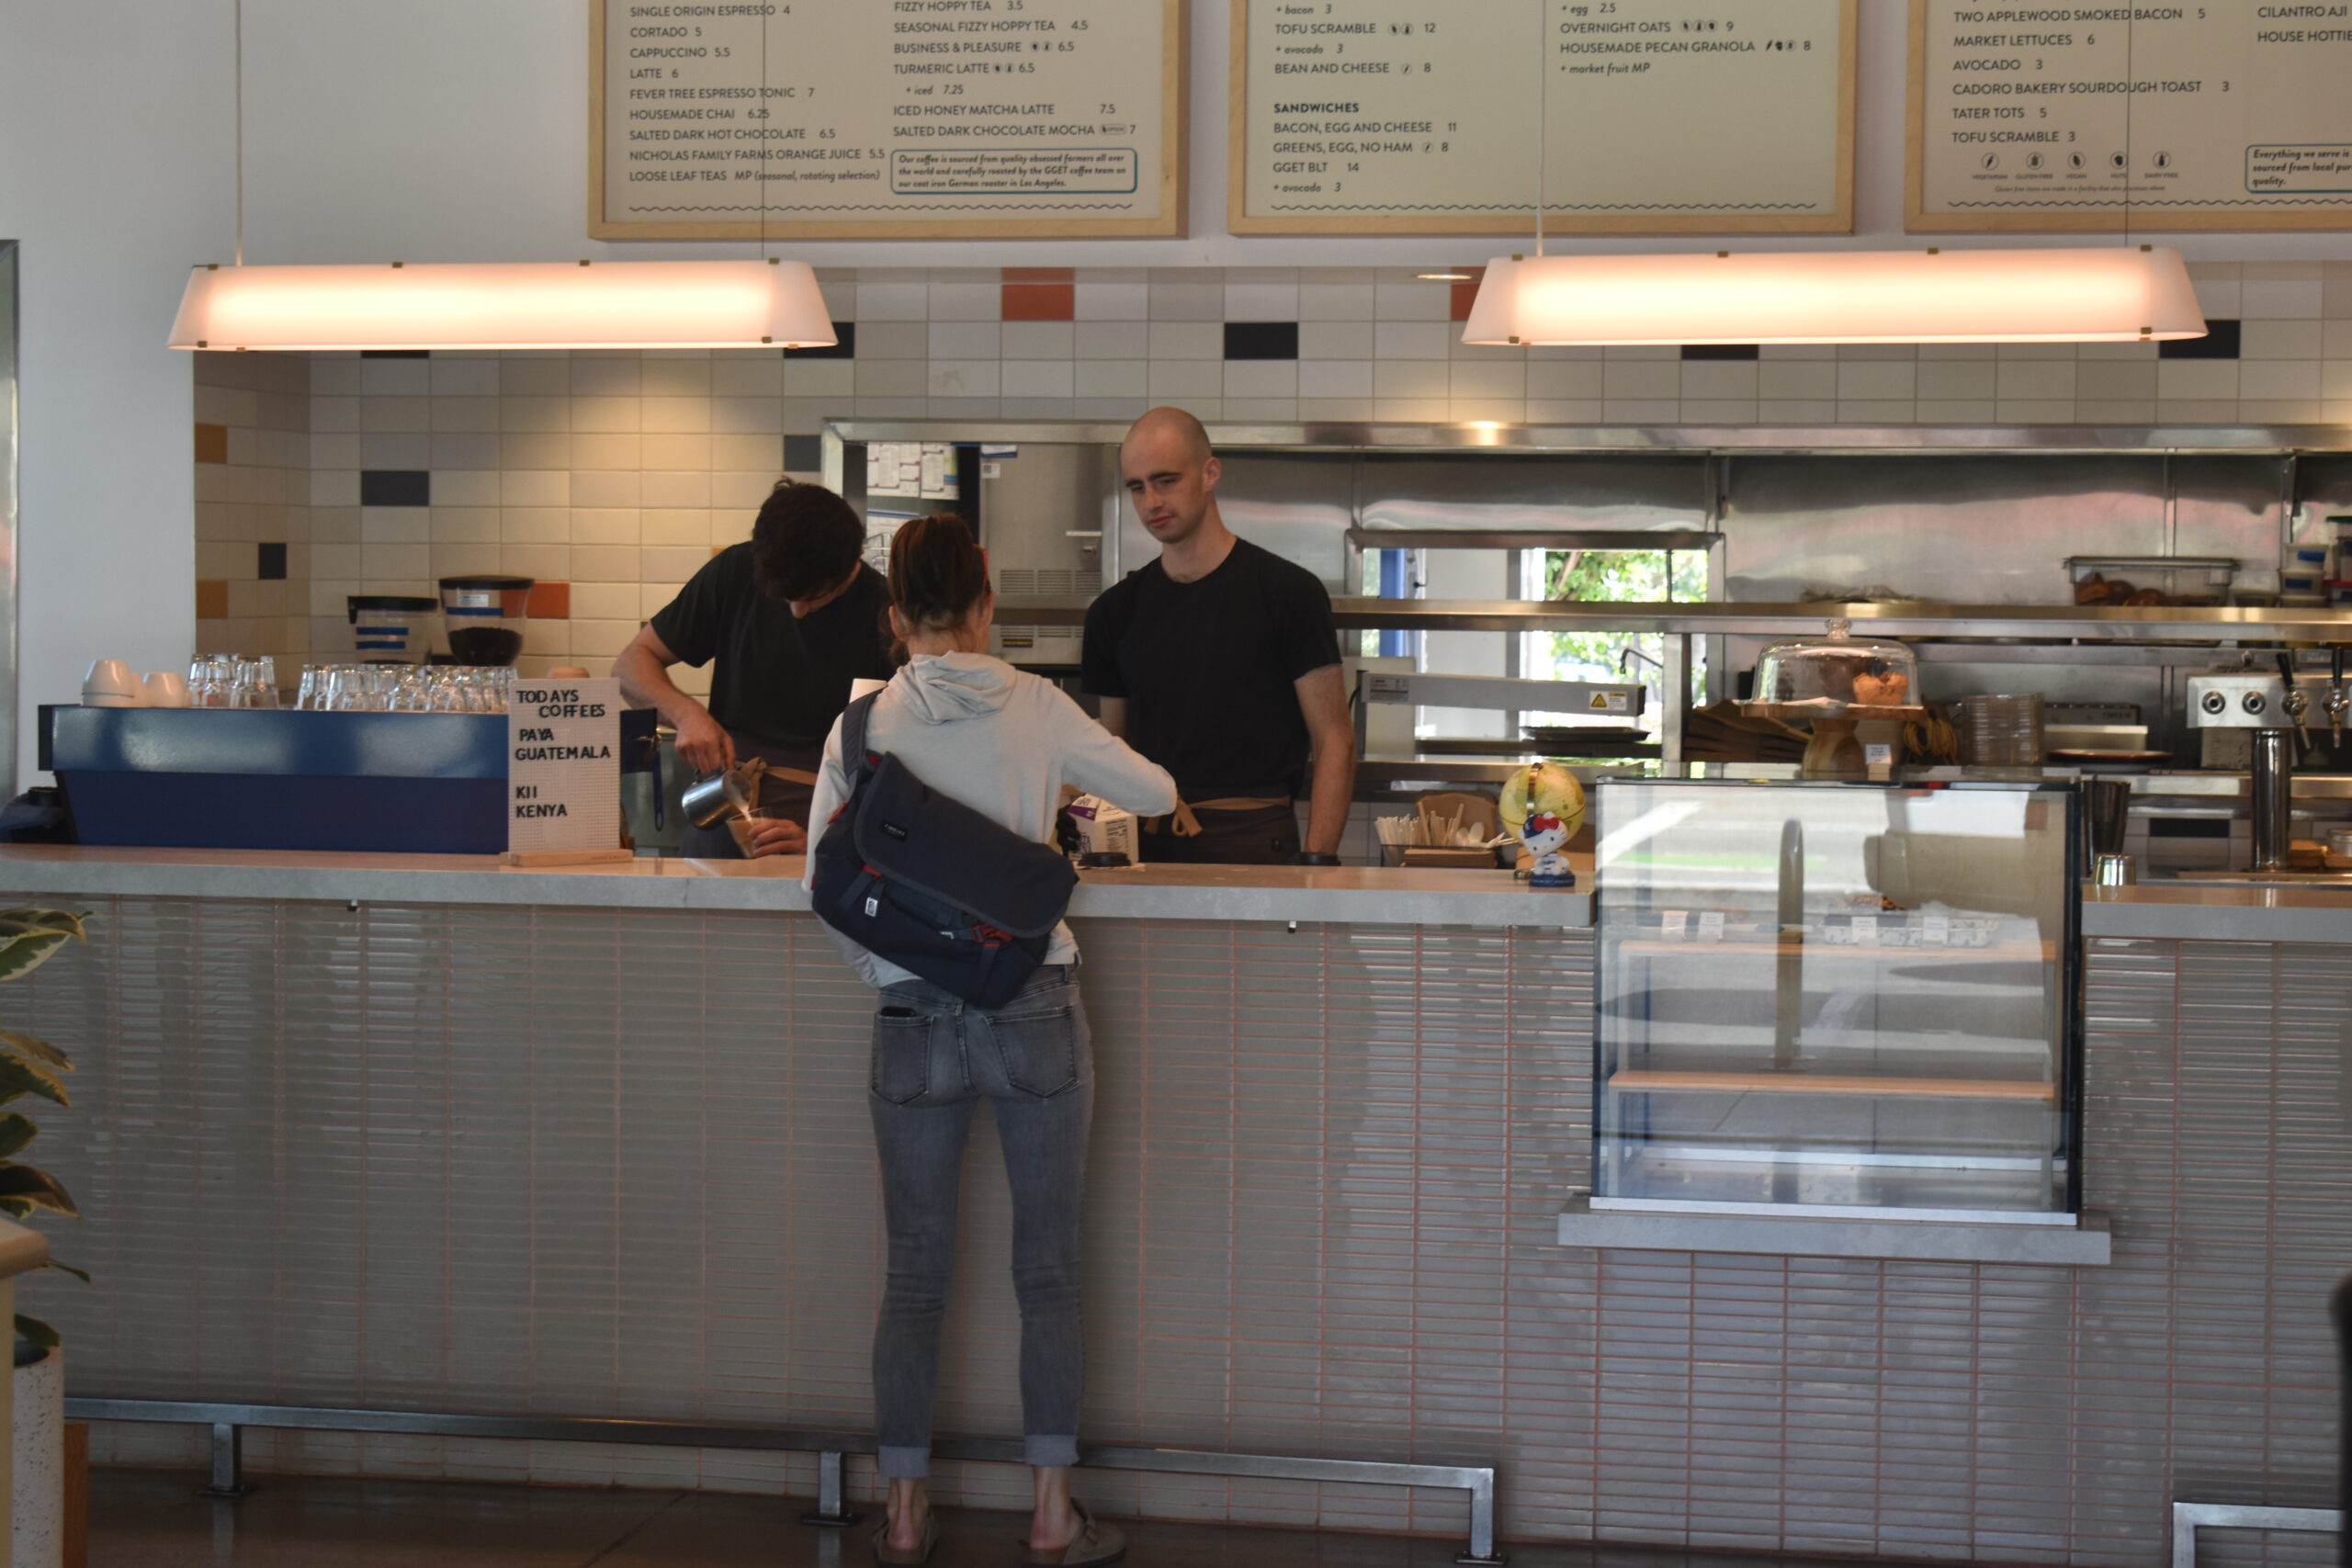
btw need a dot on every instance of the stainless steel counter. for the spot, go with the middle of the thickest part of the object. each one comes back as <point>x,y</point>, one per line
<point>2219,911</point>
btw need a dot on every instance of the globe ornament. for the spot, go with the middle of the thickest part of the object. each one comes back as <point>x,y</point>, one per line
<point>1543,804</point>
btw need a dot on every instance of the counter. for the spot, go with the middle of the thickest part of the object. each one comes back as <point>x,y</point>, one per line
<point>594,1142</point>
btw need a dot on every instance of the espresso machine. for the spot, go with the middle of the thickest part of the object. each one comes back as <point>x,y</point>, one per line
<point>2278,710</point>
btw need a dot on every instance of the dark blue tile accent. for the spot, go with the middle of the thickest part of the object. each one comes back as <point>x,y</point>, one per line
<point>803,454</point>
<point>2220,342</point>
<point>1261,339</point>
<point>395,354</point>
<point>272,563</point>
<point>395,487</point>
<point>1720,351</point>
<point>844,349</point>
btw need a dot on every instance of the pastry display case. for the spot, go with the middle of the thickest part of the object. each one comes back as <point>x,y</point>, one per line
<point>1837,998</point>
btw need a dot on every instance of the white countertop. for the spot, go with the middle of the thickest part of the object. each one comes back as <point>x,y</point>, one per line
<point>1365,895</point>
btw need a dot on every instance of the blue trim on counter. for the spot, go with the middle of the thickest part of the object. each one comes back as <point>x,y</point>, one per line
<point>282,741</point>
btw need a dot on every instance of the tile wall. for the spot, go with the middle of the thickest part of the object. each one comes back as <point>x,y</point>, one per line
<point>617,474</point>
<point>252,511</point>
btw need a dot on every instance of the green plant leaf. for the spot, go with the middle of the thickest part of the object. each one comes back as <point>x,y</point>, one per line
<point>15,1132</point>
<point>27,937</point>
<point>33,1048</point>
<point>15,1208</point>
<point>21,1076</point>
<point>33,1331</point>
<point>37,1188</point>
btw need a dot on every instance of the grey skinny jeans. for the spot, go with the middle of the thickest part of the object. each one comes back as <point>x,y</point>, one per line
<point>934,1056</point>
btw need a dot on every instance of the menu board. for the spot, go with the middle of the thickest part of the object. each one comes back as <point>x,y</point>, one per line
<point>1658,117</point>
<point>2070,117</point>
<point>563,772</point>
<point>886,118</point>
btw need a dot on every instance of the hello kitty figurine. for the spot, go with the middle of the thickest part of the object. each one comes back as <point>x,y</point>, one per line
<point>1544,836</point>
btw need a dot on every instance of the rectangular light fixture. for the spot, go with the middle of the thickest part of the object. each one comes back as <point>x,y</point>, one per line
<point>2112,294</point>
<point>680,304</point>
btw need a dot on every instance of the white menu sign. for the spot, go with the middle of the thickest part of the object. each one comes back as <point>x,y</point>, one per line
<point>1419,117</point>
<point>563,770</point>
<point>2091,117</point>
<point>844,118</point>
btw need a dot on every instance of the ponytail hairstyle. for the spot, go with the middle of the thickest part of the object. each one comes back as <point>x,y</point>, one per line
<point>938,574</point>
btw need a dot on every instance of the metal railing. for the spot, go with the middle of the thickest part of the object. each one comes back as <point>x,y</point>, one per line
<point>229,1421</point>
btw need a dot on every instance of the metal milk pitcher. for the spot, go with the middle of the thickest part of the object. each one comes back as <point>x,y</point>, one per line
<point>734,792</point>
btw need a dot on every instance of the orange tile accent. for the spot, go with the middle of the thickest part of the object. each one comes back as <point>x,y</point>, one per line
<point>212,599</point>
<point>1465,294</point>
<point>550,601</point>
<point>1040,301</point>
<point>211,443</point>
<point>1039,273</point>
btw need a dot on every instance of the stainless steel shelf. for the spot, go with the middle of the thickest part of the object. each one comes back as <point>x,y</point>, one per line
<point>1662,439</point>
<point>1935,622</point>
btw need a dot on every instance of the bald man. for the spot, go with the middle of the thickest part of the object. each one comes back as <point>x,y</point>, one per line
<point>1218,662</point>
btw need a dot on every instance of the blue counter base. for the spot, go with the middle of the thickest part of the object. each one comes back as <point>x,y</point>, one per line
<point>354,813</point>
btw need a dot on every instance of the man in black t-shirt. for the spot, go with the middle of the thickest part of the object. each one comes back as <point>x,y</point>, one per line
<point>792,616</point>
<point>1219,662</point>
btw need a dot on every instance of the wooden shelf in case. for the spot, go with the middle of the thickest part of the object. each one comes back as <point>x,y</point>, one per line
<point>1645,1080</point>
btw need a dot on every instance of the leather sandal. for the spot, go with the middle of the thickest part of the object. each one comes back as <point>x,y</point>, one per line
<point>885,1552</point>
<point>1095,1543</point>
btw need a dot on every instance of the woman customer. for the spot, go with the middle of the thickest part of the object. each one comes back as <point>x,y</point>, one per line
<point>1003,743</point>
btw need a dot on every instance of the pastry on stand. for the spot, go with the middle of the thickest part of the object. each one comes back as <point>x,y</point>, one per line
<point>1836,683</point>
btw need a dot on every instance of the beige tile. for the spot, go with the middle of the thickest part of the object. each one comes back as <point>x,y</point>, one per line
<point>1484,380</point>
<point>676,452</point>
<point>534,414</point>
<point>606,488</point>
<point>395,414</point>
<point>674,526</point>
<point>535,487</point>
<point>2204,379</point>
<point>2036,380</point>
<point>1182,380</point>
<point>673,563</point>
<point>1413,378</point>
<point>605,563</point>
<point>534,525</point>
<point>545,563</point>
<point>607,601</point>
<point>1785,379</point>
<point>2115,379</point>
<point>547,637</point>
<point>1259,379</point>
<point>465,413</point>
<point>608,453</point>
<point>748,377</point>
<point>2277,379</point>
<point>680,378</point>
<point>548,378</point>
<point>599,377</point>
<point>672,416</point>
<point>450,560</point>
<point>600,639</point>
<point>607,415</point>
<point>606,526</point>
<point>464,377</point>
<point>395,524</point>
<point>381,563</point>
<point>748,454</point>
<point>690,489</point>
<point>1877,381</point>
<point>464,525</point>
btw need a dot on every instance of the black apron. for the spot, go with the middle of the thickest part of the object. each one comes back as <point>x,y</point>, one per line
<point>778,796</point>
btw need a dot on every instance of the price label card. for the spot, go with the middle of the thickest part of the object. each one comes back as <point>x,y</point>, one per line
<point>1711,925</point>
<point>1935,931</point>
<point>1673,923</point>
<point>1865,928</point>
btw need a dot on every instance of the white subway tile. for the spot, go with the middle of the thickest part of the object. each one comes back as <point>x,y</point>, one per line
<point>1335,379</point>
<point>530,414</point>
<point>963,379</point>
<point>1576,380</point>
<point>745,491</point>
<point>891,302</point>
<point>965,300</point>
<point>1039,339</point>
<point>612,415</point>
<point>2275,379</point>
<point>1867,381</point>
<point>667,378</point>
<point>964,340</point>
<point>335,488</point>
<point>607,525</point>
<point>1112,301</point>
<point>1408,299</point>
<point>2036,411</point>
<point>1187,301</point>
<point>678,453</point>
<point>595,376</point>
<point>752,377</point>
<point>1337,302</point>
<point>2041,380</point>
<point>395,414</point>
<point>457,377</point>
<point>1416,379</point>
<point>396,451</point>
<point>1039,378</point>
<point>548,378</point>
<point>607,601</point>
<point>464,414</point>
<point>674,526</point>
<point>395,378</point>
<point>2273,297</point>
<point>826,377</point>
<point>892,378</point>
<point>1641,410</point>
<point>2197,378</point>
<point>601,451</point>
<point>2285,338</point>
<point>335,377</point>
<point>1957,379</point>
<point>686,415</point>
<point>1335,340</point>
<point>1411,340</point>
<point>1718,411</point>
<point>1486,380</point>
<point>1185,382</point>
<point>1111,340</point>
<point>1641,381</point>
<point>1261,301</point>
<point>607,563</point>
<point>1260,380</point>
<point>464,525</point>
<point>1811,380</point>
<point>1187,340</point>
<point>535,487</point>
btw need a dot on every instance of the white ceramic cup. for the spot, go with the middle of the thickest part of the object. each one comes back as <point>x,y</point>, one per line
<point>110,685</point>
<point>167,689</point>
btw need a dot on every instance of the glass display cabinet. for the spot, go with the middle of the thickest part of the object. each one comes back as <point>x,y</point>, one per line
<point>1837,998</point>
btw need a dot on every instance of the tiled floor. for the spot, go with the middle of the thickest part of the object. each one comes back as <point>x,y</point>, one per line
<point>142,1519</point>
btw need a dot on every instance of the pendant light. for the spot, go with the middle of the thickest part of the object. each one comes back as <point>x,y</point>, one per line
<point>498,305</point>
<point>2102,294</point>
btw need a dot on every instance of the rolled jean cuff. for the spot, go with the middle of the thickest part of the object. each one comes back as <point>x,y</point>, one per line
<point>1050,1452</point>
<point>907,1464</point>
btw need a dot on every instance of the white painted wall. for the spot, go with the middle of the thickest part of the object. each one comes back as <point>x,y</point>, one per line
<point>427,130</point>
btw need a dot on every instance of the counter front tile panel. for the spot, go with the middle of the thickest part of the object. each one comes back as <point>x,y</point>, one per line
<point>615,1161</point>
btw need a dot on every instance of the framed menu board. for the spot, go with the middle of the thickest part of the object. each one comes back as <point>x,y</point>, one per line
<point>1660,116</point>
<point>2227,115</point>
<point>886,118</point>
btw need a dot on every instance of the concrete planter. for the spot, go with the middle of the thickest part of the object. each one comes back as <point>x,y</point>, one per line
<point>39,1476</point>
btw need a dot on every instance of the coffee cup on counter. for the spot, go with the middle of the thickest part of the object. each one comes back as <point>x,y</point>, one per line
<point>167,689</point>
<point>111,684</point>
